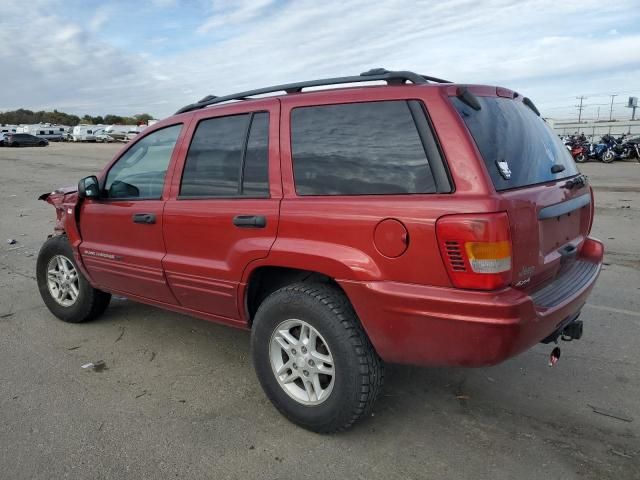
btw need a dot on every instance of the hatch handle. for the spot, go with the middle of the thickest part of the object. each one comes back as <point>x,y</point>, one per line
<point>567,253</point>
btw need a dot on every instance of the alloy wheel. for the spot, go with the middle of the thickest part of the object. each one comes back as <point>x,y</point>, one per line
<point>302,362</point>
<point>62,280</point>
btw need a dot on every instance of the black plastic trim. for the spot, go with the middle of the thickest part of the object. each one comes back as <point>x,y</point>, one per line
<point>559,209</point>
<point>569,281</point>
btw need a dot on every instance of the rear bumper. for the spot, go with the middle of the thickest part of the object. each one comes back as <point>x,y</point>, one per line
<point>423,325</point>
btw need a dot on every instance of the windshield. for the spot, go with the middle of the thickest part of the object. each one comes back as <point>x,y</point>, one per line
<point>518,147</point>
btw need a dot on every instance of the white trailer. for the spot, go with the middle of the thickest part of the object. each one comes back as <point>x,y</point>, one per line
<point>49,131</point>
<point>86,133</point>
<point>6,128</point>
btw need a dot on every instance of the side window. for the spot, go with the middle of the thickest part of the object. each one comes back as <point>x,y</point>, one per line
<point>140,172</point>
<point>371,148</point>
<point>222,161</point>
<point>255,181</point>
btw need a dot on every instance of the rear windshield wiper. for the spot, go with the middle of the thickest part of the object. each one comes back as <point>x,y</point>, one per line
<point>557,168</point>
<point>527,101</point>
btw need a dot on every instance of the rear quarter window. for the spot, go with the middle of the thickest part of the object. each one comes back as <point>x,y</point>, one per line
<point>370,148</point>
<point>507,131</point>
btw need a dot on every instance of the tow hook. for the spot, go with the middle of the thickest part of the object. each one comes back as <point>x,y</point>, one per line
<point>573,331</point>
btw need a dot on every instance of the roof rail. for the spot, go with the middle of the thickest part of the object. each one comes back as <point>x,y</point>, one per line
<point>375,74</point>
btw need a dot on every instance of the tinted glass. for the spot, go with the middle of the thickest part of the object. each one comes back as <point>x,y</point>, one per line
<point>358,149</point>
<point>140,172</point>
<point>256,164</point>
<point>508,131</point>
<point>213,163</point>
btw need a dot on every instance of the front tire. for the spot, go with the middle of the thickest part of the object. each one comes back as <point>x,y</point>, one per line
<point>63,288</point>
<point>313,359</point>
<point>581,158</point>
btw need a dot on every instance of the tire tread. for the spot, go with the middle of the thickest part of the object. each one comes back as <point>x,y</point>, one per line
<point>371,366</point>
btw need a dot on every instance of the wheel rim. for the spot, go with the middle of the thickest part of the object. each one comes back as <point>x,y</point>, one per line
<point>62,280</point>
<point>302,362</point>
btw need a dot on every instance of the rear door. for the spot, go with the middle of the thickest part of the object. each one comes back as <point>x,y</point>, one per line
<point>224,205</point>
<point>530,169</point>
<point>122,245</point>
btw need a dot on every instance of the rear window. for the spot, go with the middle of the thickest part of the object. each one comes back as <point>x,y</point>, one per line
<point>517,146</point>
<point>371,148</point>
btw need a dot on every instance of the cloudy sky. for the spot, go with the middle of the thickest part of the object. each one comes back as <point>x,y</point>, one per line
<point>122,57</point>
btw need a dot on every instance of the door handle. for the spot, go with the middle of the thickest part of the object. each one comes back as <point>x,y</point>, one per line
<point>146,218</point>
<point>250,221</point>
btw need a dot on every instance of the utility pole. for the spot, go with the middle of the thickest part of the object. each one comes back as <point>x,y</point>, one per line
<point>598,116</point>
<point>611,110</point>
<point>580,107</point>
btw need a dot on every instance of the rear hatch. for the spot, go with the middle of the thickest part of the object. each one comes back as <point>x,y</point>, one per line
<point>548,203</point>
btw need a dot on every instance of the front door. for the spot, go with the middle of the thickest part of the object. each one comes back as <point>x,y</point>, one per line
<point>122,245</point>
<point>223,209</point>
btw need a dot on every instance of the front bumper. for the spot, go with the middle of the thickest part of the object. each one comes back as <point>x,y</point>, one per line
<point>424,325</point>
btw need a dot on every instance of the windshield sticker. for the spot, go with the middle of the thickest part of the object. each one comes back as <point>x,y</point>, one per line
<point>504,169</point>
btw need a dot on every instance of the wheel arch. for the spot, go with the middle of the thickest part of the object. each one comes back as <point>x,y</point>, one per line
<point>263,280</point>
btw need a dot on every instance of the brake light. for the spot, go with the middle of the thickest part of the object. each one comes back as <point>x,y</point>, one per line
<point>476,249</point>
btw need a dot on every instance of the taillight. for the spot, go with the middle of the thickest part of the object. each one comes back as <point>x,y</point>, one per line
<point>476,249</point>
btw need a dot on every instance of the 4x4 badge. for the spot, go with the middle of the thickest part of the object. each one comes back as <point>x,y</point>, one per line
<point>503,166</point>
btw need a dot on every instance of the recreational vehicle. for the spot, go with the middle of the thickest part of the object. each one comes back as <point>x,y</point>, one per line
<point>8,128</point>
<point>86,133</point>
<point>48,131</point>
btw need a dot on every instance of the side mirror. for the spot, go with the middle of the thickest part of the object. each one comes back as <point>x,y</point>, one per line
<point>89,187</point>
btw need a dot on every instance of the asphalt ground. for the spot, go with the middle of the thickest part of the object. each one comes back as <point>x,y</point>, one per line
<point>178,397</point>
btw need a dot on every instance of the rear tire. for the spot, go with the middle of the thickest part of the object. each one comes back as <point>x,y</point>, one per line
<point>63,288</point>
<point>353,375</point>
<point>608,156</point>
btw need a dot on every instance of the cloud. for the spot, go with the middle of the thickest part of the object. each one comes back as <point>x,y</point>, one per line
<point>171,60</point>
<point>102,15</point>
<point>240,12</point>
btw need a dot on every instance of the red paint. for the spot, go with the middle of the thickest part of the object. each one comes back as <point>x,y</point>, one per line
<point>382,250</point>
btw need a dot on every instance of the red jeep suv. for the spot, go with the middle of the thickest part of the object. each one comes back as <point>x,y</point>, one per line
<point>417,221</point>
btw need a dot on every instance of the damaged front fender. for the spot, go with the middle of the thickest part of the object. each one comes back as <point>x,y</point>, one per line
<point>65,201</point>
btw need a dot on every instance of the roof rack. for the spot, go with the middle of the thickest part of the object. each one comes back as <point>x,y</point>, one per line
<point>375,74</point>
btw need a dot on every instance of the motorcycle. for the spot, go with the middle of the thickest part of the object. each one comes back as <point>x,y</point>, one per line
<point>579,152</point>
<point>632,149</point>
<point>603,151</point>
